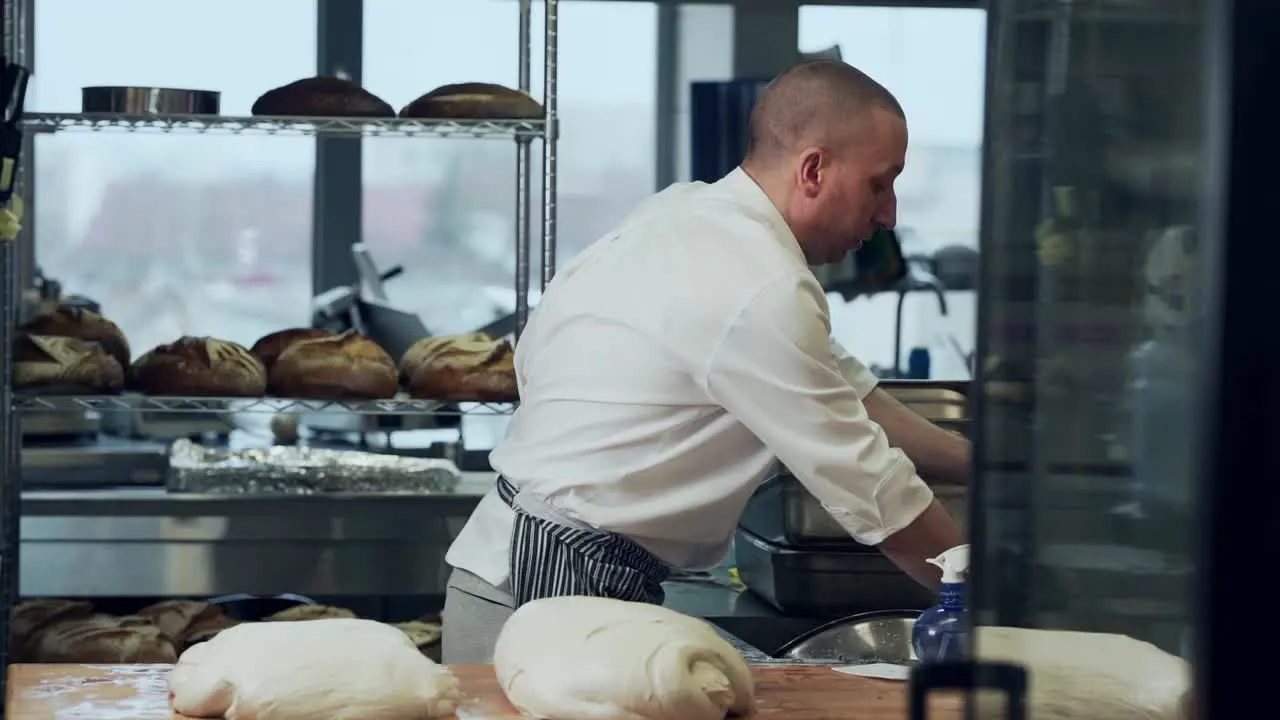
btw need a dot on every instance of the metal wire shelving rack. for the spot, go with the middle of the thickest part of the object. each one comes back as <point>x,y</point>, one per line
<point>143,403</point>
<point>18,17</point>
<point>222,124</point>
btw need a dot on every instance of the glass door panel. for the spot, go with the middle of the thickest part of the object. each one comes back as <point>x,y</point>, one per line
<point>1089,318</point>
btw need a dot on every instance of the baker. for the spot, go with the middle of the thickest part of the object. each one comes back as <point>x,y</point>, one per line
<point>671,362</point>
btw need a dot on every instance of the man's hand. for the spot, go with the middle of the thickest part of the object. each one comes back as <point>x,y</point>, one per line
<point>939,455</point>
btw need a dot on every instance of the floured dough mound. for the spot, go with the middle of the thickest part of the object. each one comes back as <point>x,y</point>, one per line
<point>336,669</point>
<point>1089,676</point>
<point>583,658</point>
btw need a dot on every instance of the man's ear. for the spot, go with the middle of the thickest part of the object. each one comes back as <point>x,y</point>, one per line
<point>809,172</point>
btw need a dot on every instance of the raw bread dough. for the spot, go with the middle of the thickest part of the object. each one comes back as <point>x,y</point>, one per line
<point>584,658</point>
<point>1089,676</point>
<point>337,669</point>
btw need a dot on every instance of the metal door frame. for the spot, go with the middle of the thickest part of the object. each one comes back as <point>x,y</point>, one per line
<point>1239,497</point>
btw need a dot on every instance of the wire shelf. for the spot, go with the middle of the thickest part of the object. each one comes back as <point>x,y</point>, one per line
<point>369,127</point>
<point>135,403</point>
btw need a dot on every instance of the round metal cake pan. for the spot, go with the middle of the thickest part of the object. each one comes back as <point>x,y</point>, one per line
<point>149,101</point>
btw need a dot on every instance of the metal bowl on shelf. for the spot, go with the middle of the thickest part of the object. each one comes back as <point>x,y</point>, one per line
<point>882,636</point>
<point>149,101</point>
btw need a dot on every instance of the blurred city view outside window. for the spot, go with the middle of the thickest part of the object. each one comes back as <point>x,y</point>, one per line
<point>176,233</point>
<point>211,234</point>
<point>446,209</point>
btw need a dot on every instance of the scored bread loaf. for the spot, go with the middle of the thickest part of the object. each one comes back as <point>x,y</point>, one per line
<point>341,367</point>
<point>198,366</point>
<point>269,346</point>
<point>474,101</point>
<point>322,97</point>
<point>186,622</point>
<point>81,324</point>
<point>475,367</point>
<point>31,616</point>
<point>100,639</point>
<point>63,365</point>
<point>422,633</point>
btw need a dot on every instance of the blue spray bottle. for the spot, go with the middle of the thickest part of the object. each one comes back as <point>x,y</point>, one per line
<point>941,633</point>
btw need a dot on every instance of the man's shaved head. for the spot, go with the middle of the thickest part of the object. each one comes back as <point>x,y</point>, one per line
<point>815,103</point>
<point>826,143</point>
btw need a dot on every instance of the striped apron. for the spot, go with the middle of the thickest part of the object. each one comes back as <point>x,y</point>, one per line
<point>553,560</point>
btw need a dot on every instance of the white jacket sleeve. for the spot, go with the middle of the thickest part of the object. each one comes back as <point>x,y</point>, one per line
<point>775,371</point>
<point>861,378</point>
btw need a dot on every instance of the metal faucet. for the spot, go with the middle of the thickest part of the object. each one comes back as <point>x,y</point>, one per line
<point>918,279</point>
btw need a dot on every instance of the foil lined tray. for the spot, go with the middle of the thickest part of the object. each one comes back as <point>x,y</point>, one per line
<point>287,470</point>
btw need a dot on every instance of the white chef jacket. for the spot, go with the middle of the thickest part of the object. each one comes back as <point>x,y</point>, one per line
<point>663,371</point>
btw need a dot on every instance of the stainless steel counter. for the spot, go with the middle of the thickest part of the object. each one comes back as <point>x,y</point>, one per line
<point>144,541</point>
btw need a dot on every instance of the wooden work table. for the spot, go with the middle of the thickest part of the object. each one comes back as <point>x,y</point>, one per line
<point>141,692</point>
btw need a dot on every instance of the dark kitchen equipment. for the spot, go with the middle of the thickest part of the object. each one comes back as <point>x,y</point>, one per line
<point>13,92</point>
<point>823,582</point>
<point>878,266</point>
<point>254,608</point>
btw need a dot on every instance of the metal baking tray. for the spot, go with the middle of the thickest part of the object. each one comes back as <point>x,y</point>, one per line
<point>149,101</point>
<point>783,512</point>
<point>825,583</point>
<point>290,470</point>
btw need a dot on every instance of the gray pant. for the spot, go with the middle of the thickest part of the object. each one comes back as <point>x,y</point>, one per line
<point>474,613</point>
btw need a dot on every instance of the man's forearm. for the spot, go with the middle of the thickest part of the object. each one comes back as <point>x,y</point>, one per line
<point>938,455</point>
<point>933,533</point>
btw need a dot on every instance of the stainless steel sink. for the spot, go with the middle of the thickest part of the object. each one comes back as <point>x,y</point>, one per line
<point>883,636</point>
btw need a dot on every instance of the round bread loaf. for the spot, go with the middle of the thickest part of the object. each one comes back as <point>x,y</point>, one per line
<point>474,101</point>
<point>199,636</point>
<point>200,367</point>
<point>81,324</point>
<point>31,616</point>
<point>183,620</point>
<point>269,347</point>
<point>475,367</point>
<point>101,639</point>
<point>322,97</point>
<point>421,633</point>
<point>341,367</point>
<point>309,612</point>
<point>63,365</point>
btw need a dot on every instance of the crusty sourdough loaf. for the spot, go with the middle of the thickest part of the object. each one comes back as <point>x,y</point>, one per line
<point>100,639</point>
<point>198,367</point>
<point>322,97</point>
<point>474,101</point>
<point>309,612</point>
<point>63,365</point>
<point>31,616</point>
<point>475,367</point>
<point>81,324</point>
<point>340,367</point>
<point>269,347</point>
<point>186,622</point>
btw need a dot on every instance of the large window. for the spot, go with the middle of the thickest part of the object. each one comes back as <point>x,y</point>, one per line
<point>176,234</point>
<point>933,60</point>
<point>445,209</point>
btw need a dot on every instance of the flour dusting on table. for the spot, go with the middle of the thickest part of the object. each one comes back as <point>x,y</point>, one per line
<point>119,692</point>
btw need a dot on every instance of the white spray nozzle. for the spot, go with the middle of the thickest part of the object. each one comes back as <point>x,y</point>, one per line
<point>954,564</point>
